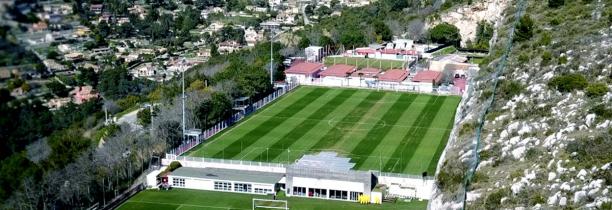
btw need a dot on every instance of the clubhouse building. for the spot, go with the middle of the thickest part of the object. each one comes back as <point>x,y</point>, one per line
<point>322,176</point>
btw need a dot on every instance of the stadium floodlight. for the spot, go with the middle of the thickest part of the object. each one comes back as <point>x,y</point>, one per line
<point>269,204</point>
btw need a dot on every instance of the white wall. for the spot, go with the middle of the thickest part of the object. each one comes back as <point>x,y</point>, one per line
<point>422,189</point>
<point>228,164</point>
<point>209,184</point>
<point>335,81</point>
<point>327,184</point>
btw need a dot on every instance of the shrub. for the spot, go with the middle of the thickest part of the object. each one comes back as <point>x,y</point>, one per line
<point>523,58</point>
<point>493,200</point>
<point>555,3</point>
<point>509,89</point>
<point>596,89</point>
<point>601,111</point>
<point>568,82</point>
<point>591,151</point>
<point>173,166</point>
<point>562,60</point>
<point>451,175</point>
<point>467,128</point>
<point>524,29</point>
<point>546,58</point>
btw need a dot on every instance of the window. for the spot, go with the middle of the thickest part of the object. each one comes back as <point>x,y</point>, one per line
<point>263,191</point>
<point>242,187</point>
<point>355,195</point>
<point>299,191</point>
<point>178,182</point>
<point>318,193</point>
<point>338,194</point>
<point>225,186</point>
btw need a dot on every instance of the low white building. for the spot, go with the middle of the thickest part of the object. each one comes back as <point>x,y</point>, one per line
<point>337,75</point>
<point>304,72</point>
<point>230,180</point>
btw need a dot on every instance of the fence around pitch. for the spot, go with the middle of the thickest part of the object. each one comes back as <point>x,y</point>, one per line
<point>173,157</point>
<point>215,129</point>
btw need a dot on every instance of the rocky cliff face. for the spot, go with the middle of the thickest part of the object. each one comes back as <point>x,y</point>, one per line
<point>466,17</point>
<point>546,142</point>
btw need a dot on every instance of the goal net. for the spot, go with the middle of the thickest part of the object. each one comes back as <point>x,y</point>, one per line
<point>269,204</point>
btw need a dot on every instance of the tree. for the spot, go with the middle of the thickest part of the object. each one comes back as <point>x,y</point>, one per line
<point>304,43</point>
<point>484,33</point>
<point>445,33</point>
<point>352,39</point>
<point>334,3</point>
<point>555,3</point>
<point>309,10</point>
<point>88,76</point>
<point>524,29</point>
<point>323,11</point>
<point>57,88</point>
<point>382,30</point>
<point>144,117</point>
<point>52,54</point>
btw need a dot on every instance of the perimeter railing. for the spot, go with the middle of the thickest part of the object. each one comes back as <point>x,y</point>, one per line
<point>221,126</point>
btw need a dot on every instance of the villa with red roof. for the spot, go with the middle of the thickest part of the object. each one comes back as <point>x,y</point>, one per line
<point>432,77</point>
<point>337,75</point>
<point>304,72</point>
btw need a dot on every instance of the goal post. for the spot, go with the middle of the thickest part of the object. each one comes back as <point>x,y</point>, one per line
<point>269,204</point>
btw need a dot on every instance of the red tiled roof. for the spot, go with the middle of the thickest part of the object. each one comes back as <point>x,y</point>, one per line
<point>365,51</point>
<point>428,76</point>
<point>304,68</point>
<point>393,75</point>
<point>367,72</point>
<point>338,70</point>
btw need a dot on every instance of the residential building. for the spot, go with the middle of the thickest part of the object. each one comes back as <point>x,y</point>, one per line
<point>83,94</point>
<point>251,36</point>
<point>144,70</point>
<point>303,72</point>
<point>54,66</point>
<point>314,53</point>
<point>228,47</point>
<point>56,103</point>
<point>96,8</point>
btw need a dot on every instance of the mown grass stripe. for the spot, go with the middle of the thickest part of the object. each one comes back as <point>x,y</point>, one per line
<point>434,161</point>
<point>330,138</point>
<point>298,132</point>
<point>413,138</point>
<point>368,144</point>
<point>264,128</point>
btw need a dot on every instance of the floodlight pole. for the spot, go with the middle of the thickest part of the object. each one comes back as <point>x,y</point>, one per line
<point>183,96</point>
<point>271,57</point>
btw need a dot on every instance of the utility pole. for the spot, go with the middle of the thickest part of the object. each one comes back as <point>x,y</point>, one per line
<point>271,59</point>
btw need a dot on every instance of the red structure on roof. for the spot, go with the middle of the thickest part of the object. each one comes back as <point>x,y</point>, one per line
<point>338,70</point>
<point>393,75</point>
<point>304,68</point>
<point>428,76</point>
<point>366,72</point>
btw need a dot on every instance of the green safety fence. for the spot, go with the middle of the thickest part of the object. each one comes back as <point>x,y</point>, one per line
<point>496,74</point>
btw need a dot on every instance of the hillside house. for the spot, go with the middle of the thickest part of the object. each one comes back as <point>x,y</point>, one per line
<point>83,94</point>
<point>228,47</point>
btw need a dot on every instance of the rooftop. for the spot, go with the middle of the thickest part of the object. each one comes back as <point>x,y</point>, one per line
<point>228,174</point>
<point>428,76</point>
<point>304,68</point>
<point>338,70</point>
<point>393,75</point>
<point>327,160</point>
<point>367,72</point>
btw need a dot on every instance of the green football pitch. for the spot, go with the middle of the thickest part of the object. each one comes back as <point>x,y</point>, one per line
<point>379,130</point>
<point>185,199</point>
<point>365,62</point>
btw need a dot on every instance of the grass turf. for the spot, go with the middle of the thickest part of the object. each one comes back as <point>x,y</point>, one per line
<point>378,130</point>
<point>365,62</point>
<point>199,199</point>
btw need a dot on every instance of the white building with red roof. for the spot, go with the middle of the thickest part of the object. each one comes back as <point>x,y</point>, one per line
<point>365,77</point>
<point>303,72</point>
<point>337,75</point>
<point>392,78</point>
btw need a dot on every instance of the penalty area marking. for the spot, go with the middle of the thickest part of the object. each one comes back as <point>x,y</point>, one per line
<point>181,205</point>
